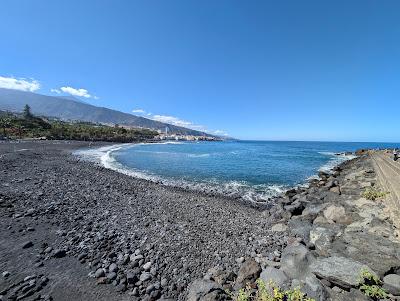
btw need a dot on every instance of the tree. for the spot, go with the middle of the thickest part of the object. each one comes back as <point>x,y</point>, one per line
<point>5,122</point>
<point>27,112</point>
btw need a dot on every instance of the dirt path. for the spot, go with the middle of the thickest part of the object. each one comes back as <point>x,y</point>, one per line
<point>388,172</point>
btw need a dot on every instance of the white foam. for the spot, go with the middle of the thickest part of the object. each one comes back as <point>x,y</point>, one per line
<point>104,156</point>
<point>336,159</point>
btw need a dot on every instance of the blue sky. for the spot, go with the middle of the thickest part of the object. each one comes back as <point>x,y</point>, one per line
<point>286,70</point>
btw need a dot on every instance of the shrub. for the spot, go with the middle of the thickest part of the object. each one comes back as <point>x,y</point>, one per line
<point>371,285</point>
<point>373,194</point>
<point>268,293</point>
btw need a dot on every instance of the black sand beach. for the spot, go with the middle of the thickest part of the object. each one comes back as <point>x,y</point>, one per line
<point>73,230</point>
<point>101,215</point>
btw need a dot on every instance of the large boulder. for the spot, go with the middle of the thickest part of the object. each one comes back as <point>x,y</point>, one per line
<point>312,287</point>
<point>205,290</point>
<point>300,228</point>
<point>248,272</point>
<point>380,254</point>
<point>391,283</point>
<point>276,276</point>
<point>321,238</point>
<point>343,272</point>
<point>295,208</point>
<point>312,210</point>
<point>335,213</point>
<point>295,261</point>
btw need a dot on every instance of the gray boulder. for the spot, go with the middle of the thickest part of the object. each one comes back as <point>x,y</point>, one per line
<point>295,261</point>
<point>248,272</point>
<point>300,228</point>
<point>205,290</point>
<point>322,238</point>
<point>391,283</point>
<point>276,276</point>
<point>314,288</point>
<point>312,210</point>
<point>334,213</point>
<point>343,272</point>
<point>295,208</point>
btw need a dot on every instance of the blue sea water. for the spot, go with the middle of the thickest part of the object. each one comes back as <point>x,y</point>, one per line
<point>251,169</point>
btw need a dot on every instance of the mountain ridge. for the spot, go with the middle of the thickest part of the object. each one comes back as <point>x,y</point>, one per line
<point>66,108</point>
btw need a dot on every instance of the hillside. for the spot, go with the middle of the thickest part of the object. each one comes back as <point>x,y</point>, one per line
<point>67,108</point>
<point>26,125</point>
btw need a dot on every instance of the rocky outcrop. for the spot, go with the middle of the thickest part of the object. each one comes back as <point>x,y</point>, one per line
<point>341,271</point>
<point>248,273</point>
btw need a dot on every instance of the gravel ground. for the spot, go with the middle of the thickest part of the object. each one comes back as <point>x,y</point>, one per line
<point>83,232</point>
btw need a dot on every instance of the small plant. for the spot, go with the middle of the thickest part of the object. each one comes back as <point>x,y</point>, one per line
<point>270,292</point>
<point>373,194</point>
<point>371,285</point>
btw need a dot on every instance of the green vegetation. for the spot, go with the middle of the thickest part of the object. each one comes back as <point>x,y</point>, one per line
<point>371,285</point>
<point>29,126</point>
<point>373,194</point>
<point>268,293</point>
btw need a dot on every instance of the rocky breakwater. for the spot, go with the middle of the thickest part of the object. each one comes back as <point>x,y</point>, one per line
<point>335,240</point>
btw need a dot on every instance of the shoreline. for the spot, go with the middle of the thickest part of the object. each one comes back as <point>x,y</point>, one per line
<point>84,232</point>
<point>103,157</point>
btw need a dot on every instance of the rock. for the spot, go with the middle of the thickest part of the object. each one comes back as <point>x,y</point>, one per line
<point>240,260</point>
<point>121,287</point>
<point>145,276</point>
<point>278,228</point>
<point>6,274</point>
<point>59,253</point>
<point>164,282</point>
<point>27,244</point>
<point>335,189</point>
<point>136,258</point>
<point>321,238</point>
<point>295,261</point>
<point>248,272</point>
<point>312,210</point>
<point>343,272</point>
<point>314,288</point>
<point>113,267</point>
<point>147,266</point>
<point>48,250</point>
<point>274,275</point>
<point>132,277</point>
<point>320,220</point>
<point>111,276</point>
<point>300,228</point>
<point>30,212</point>
<point>150,288</point>
<point>383,254</point>
<point>99,273</point>
<point>202,290</point>
<point>391,283</point>
<point>295,208</point>
<point>334,213</point>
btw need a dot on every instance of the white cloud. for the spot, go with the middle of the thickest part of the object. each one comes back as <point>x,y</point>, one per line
<point>139,111</point>
<point>172,120</point>
<point>21,84</point>
<point>55,91</point>
<point>178,122</point>
<point>78,92</point>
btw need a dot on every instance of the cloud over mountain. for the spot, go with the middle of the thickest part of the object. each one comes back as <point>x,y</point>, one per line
<point>21,84</point>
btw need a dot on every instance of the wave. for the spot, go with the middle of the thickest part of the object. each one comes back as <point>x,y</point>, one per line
<point>335,160</point>
<point>237,189</point>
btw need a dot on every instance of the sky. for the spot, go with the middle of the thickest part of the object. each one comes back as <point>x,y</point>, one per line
<point>268,70</point>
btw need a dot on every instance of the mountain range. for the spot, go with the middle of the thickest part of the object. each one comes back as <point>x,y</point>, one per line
<point>69,108</point>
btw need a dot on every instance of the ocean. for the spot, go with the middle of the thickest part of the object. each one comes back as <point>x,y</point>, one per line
<point>253,170</point>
